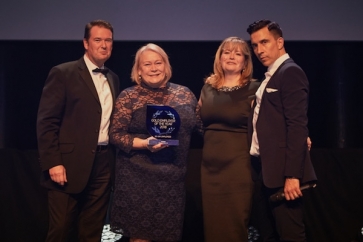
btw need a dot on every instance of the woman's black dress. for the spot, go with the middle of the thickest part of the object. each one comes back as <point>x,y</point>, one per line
<point>226,170</point>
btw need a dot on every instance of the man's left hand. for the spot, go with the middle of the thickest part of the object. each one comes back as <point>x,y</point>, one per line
<point>292,189</point>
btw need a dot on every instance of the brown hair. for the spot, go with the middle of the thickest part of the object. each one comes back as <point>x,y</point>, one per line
<point>99,23</point>
<point>217,78</point>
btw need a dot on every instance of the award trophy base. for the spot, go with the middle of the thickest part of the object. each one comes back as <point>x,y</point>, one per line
<point>170,142</point>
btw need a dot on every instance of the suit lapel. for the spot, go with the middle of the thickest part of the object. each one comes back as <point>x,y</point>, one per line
<point>83,71</point>
<point>273,77</point>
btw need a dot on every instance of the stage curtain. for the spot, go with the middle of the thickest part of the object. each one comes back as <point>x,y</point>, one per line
<point>333,209</point>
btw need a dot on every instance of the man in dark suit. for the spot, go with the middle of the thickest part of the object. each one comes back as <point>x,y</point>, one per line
<point>279,132</point>
<point>72,128</point>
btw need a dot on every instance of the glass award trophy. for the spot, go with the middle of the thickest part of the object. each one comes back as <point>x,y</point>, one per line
<point>163,123</point>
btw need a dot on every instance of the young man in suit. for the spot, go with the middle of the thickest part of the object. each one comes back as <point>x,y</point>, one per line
<point>72,129</point>
<point>279,132</point>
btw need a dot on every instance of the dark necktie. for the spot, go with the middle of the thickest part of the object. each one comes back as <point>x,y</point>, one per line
<point>103,71</point>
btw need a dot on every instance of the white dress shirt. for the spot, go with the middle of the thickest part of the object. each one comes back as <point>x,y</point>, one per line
<point>255,149</point>
<point>105,97</point>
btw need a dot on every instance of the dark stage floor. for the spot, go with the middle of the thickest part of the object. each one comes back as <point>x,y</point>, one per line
<point>108,236</point>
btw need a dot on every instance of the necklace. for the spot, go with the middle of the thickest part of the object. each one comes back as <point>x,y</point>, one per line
<point>231,89</point>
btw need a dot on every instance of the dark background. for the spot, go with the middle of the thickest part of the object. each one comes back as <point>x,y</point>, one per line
<point>324,37</point>
<point>334,210</point>
<point>334,69</point>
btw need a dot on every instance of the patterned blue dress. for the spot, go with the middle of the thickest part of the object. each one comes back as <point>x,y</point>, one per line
<point>149,195</point>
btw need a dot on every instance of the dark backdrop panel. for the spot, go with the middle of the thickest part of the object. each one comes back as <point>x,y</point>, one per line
<point>23,202</point>
<point>333,69</point>
<point>334,211</point>
<point>26,64</point>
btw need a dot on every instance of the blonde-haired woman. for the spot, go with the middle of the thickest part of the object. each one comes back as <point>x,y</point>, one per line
<point>225,103</point>
<point>149,195</point>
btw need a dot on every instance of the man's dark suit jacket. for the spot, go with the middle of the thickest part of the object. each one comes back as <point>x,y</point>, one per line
<point>68,123</point>
<point>282,127</point>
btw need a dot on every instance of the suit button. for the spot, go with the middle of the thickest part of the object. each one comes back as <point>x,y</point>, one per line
<point>96,131</point>
<point>93,151</point>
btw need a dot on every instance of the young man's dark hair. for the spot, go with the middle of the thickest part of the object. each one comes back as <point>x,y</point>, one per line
<point>273,27</point>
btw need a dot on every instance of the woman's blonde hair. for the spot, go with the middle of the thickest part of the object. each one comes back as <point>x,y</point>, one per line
<point>157,49</point>
<point>232,43</point>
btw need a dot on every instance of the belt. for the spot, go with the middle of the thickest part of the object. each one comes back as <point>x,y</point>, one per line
<point>101,148</point>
